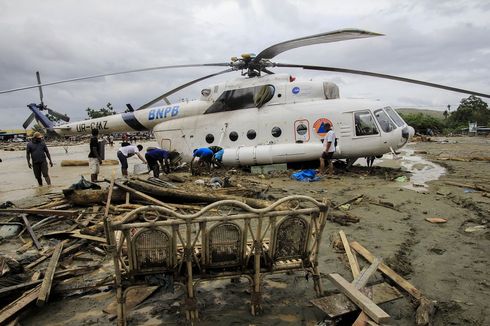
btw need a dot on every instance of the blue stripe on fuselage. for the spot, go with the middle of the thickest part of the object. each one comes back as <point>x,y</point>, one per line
<point>131,121</point>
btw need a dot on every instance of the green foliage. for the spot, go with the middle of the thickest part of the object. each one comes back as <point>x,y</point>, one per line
<point>421,122</point>
<point>102,112</point>
<point>471,109</point>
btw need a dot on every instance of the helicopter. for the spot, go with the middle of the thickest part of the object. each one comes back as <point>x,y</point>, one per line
<point>262,117</point>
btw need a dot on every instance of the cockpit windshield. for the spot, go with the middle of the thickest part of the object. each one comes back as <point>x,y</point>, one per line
<point>242,98</point>
<point>384,121</point>
<point>394,116</point>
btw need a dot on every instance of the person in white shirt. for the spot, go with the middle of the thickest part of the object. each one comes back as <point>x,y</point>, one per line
<point>127,151</point>
<point>328,150</point>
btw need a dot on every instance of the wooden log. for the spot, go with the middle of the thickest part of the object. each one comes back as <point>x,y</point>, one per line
<point>89,197</point>
<point>31,232</point>
<point>48,276</point>
<point>404,284</point>
<point>425,310</point>
<point>144,196</point>
<point>194,197</point>
<point>17,305</point>
<point>466,185</point>
<point>349,201</point>
<point>44,212</point>
<point>343,218</point>
<point>85,162</point>
<point>366,304</point>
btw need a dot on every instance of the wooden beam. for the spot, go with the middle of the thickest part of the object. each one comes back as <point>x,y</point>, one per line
<point>48,276</point>
<point>366,304</point>
<point>31,232</point>
<point>354,266</point>
<point>45,212</point>
<point>14,307</point>
<point>403,283</point>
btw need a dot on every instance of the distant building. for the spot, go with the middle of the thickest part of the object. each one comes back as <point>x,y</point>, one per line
<point>11,134</point>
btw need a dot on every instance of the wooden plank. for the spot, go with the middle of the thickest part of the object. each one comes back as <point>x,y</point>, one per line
<point>14,307</point>
<point>338,304</point>
<point>31,232</point>
<point>364,276</point>
<point>366,304</point>
<point>45,212</point>
<point>403,283</point>
<point>352,261</point>
<point>48,276</point>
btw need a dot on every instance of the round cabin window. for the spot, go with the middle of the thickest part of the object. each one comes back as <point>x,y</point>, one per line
<point>251,134</point>
<point>233,136</point>
<point>209,138</point>
<point>276,132</point>
<point>301,129</point>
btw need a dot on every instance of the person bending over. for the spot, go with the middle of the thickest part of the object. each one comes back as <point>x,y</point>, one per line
<point>205,157</point>
<point>127,151</point>
<point>154,156</point>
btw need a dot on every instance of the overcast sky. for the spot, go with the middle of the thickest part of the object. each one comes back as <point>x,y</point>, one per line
<point>443,41</point>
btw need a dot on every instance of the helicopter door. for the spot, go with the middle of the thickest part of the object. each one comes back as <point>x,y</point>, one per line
<point>301,131</point>
<point>166,144</point>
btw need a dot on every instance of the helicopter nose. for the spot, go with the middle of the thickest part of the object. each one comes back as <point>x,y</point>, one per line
<point>408,132</point>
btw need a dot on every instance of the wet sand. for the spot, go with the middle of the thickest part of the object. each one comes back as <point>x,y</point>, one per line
<point>17,181</point>
<point>446,262</point>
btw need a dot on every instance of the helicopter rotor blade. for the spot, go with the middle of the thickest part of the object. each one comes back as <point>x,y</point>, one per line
<point>28,121</point>
<point>385,76</point>
<point>58,115</point>
<point>38,76</point>
<point>115,73</point>
<point>335,36</point>
<point>163,96</point>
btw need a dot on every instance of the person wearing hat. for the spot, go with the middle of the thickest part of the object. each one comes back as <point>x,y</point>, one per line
<point>38,150</point>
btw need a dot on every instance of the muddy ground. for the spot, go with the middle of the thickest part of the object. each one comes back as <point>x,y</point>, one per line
<point>448,262</point>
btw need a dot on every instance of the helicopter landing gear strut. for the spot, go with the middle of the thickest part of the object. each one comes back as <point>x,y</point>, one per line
<point>350,162</point>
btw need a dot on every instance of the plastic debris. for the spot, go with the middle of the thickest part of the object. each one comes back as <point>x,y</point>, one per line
<point>305,176</point>
<point>436,220</point>
<point>401,179</point>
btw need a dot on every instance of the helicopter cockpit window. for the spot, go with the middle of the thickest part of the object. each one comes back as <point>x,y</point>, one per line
<point>242,98</point>
<point>384,121</point>
<point>394,116</point>
<point>263,95</point>
<point>365,124</point>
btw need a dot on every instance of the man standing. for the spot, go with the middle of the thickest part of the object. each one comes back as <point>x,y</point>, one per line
<point>328,150</point>
<point>38,150</point>
<point>154,156</point>
<point>94,159</point>
<point>127,151</point>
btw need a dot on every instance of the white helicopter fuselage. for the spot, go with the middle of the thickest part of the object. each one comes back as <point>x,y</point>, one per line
<point>287,126</point>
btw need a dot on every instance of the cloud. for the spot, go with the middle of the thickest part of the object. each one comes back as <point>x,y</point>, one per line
<point>438,41</point>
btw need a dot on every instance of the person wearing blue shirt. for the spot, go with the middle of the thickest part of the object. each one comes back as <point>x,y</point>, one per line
<point>218,157</point>
<point>154,156</point>
<point>205,156</point>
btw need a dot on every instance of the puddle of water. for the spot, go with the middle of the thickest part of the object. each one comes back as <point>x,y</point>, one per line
<point>422,170</point>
